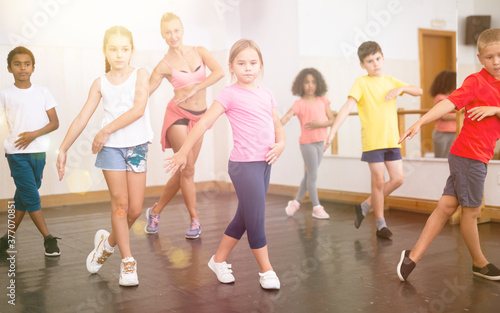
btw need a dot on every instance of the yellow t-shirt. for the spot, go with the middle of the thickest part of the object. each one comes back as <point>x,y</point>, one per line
<point>379,120</point>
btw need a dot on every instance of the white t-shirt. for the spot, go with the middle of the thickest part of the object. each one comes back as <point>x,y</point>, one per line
<point>118,99</point>
<point>26,110</point>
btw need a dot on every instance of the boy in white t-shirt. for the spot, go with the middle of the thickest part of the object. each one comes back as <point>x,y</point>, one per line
<point>31,115</point>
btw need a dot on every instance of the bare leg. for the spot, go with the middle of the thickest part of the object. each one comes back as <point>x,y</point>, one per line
<point>123,213</point>
<point>262,257</point>
<point>377,171</point>
<point>18,218</point>
<point>396,179</point>
<point>226,245</point>
<point>177,134</point>
<point>447,205</point>
<point>39,221</point>
<point>468,225</point>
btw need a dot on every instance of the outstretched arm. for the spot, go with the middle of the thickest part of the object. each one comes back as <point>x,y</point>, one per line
<point>78,125</point>
<point>339,120</point>
<point>279,134</point>
<point>140,102</point>
<point>411,90</point>
<point>287,117</point>
<point>179,159</point>
<point>26,138</point>
<point>437,111</point>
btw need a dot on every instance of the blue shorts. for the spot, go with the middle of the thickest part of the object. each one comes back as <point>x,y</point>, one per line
<point>123,159</point>
<point>466,180</point>
<point>27,171</point>
<point>381,155</point>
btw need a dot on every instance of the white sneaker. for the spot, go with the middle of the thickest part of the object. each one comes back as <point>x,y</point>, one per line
<point>99,255</point>
<point>222,270</point>
<point>269,280</point>
<point>292,207</point>
<point>319,213</point>
<point>128,272</point>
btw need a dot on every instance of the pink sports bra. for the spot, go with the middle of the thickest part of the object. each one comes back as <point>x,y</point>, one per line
<point>181,79</point>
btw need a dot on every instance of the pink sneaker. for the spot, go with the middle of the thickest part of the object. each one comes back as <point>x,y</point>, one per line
<point>319,213</point>
<point>292,207</point>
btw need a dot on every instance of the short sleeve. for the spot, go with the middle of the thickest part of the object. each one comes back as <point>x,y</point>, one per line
<point>225,98</point>
<point>296,107</point>
<point>465,94</point>
<point>325,101</point>
<point>397,83</point>
<point>356,91</point>
<point>273,100</point>
<point>50,102</point>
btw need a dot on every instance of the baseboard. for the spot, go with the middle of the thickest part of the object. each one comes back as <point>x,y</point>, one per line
<point>392,202</point>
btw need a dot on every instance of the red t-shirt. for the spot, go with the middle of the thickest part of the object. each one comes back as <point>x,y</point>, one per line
<point>477,140</point>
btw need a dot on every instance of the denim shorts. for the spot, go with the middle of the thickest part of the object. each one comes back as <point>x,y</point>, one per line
<point>466,180</point>
<point>123,159</point>
<point>381,155</point>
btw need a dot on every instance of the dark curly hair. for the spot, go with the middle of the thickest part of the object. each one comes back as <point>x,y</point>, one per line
<point>298,84</point>
<point>444,83</point>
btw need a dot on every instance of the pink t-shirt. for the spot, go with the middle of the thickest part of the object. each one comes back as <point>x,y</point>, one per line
<point>250,112</point>
<point>311,111</point>
<point>444,126</point>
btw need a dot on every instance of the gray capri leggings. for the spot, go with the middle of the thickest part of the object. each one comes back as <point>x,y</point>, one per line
<point>250,181</point>
<point>312,154</point>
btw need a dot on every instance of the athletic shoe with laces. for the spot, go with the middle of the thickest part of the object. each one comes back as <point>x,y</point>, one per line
<point>405,265</point>
<point>359,215</point>
<point>128,273</point>
<point>50,245</point>
<point>99,255</point>
<point>194,230</point>
<point>384,233</point>
<point>4,244</point>
<point>222,270</point>
<point>152,221</point>
<point>490,272</point>
<point>319,213</point>
<point>269,280</point>
<point>292,207</point>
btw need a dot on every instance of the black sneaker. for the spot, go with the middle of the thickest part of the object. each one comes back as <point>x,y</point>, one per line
<point>51,248</point>
<point>384,233</point>
<point>359,215</point>
<point>405,265</point>
<point>4,244</point>
<point>490,272</point>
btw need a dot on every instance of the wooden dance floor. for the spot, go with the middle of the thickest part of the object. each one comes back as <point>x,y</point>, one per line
<point>324,266</point>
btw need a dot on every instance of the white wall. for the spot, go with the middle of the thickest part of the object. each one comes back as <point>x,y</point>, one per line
<point>292,35</point>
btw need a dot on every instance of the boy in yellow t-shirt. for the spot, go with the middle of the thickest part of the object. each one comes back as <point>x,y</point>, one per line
<point>375,94</point>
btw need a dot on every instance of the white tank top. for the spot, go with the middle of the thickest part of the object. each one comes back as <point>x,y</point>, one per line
<point>117,100</point>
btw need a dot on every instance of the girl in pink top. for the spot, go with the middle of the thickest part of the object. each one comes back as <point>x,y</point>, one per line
<point>184,67</point>
<point>445,128</point>
<point>313,111</point>
<point>258,142</point>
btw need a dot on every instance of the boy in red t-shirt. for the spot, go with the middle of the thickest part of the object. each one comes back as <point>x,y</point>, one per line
<point>468,159</point>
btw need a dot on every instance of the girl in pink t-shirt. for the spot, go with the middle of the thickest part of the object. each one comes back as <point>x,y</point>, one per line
<point>313,111</point>
<point>259,140</point>
<point>445,128</point>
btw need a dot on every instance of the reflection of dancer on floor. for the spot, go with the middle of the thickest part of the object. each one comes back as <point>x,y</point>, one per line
<point>259,140</point>
<point>375,95</point>
<point>31,115</point>
<point>468,158</point>
<point>313,111</point>
<point>184,67</point>
<point>121,146</point>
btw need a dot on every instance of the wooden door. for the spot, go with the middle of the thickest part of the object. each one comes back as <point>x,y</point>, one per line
<point>437,52</point>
